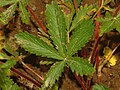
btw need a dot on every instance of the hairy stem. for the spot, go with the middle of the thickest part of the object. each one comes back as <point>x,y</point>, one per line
<point>36,19</point>
<point>76,6</point>
<point>80,81</point>
<point>94,54</point>
<point>32,71</point>
<point>97,34</point>
<point>24,76</point>
<point>116,11</point>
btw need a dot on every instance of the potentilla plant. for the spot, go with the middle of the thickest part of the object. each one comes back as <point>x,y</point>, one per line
<point>65,40</point>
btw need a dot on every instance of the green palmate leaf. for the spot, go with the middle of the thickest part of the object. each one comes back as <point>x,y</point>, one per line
<point>4,16</point>
<point>7,14</point>
<point>80,36</point>
<point>80,66</point>
<point>24,13</point>
<point>82,14</point>
<point>99,87</point>
<point>6,2</point>
<point>109,23</point>
<point>57,27</point>
<point>6,83</point>
<point>36,46</point>
<point>53,74</point>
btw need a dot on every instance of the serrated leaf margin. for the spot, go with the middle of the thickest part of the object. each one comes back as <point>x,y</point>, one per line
<point>80,66</point>
<point>53,74</point>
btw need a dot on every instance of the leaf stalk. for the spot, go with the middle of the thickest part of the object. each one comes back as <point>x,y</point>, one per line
<point>36,19</point>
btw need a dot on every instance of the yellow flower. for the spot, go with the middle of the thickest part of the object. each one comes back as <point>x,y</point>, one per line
<point>107,51</point>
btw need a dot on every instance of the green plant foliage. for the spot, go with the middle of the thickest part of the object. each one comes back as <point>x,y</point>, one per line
<point>99,87</point>
<point>81,66</point>
<point>68,19</point>
<point>24,14</point>
<point>11,61</point>
<point>9,48</point>
<point>57,27</point>
<point>9,12</point>
<point>4,16</point>
<point>82,14</point>
<point>109,23</point>
<point>53,74</point>
<point>6,83</point>
<point>80,36</point>
<point>3,56</point>
<point>8,64</point>
<point>37,46</point>
<point>59,49</point>
<point>6,2</point>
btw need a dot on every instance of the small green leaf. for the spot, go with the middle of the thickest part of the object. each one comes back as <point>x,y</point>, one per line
<point>109,23</point>
<point>82,14</point>
<point>6,2</point>
<point>3,56</point>
<point>6,83</point>
<point>36,46</point>
<point>7,14</point>
<point>9,48</point>
<point>80,66</point>
<point>9,63</point>
<point>99,87</point>
<point>57,27</point>
<point>24,13</point>
<point>53,74</point>
<point>80,36</point>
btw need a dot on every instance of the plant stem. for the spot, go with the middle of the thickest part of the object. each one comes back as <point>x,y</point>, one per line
<point>88,83</point>
<point>32,71</point>
<point>36,19</point>
<point>23,75</point>
<point>97,37</point>
<point>116,11</point>
<point>97,59</point>
<point>84,54</point>
<point>97,24</point>
<point>81,81</point>
<point>76,6</point>
<point>26,77</point>
<point>95,49</point>
<point>93,52</point>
